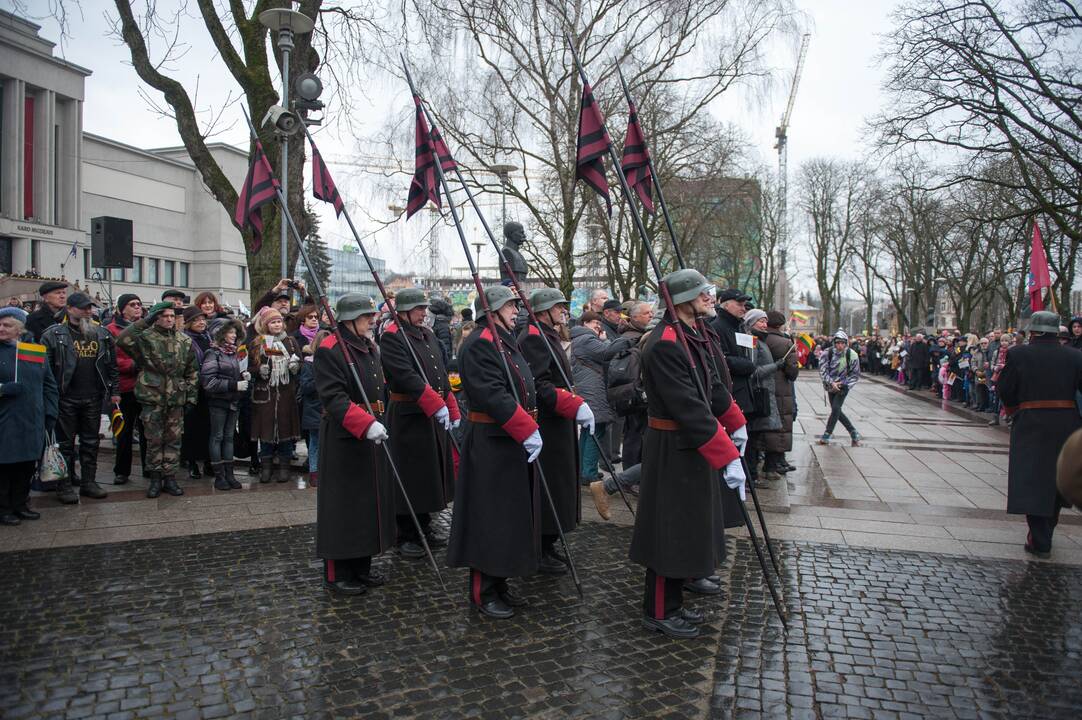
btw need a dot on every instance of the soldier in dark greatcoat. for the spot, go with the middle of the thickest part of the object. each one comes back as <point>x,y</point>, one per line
<point>422,412</point>
<point>355,505</point>
<point>559,408</point>
<point>677,527</point>
<point>496,529</point>
<point>1037,386</point>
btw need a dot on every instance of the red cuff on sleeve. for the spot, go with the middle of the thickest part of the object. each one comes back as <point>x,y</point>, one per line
<point>452,407</point>
<point>567,403</point>
<point>521,425</point>
<point>719,450</point>
<point>430,401</point>
<point>357,420</point>
<point>732,419</point>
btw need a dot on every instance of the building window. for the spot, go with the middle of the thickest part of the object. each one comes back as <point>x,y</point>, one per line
<point>86,263</point>
<point>243,285</point>
<point>135,275</point>
<point>116,274</point>
<point>182,276</point>
<point>152,271</point>
<point>169,272</point>
<point>35,254</point>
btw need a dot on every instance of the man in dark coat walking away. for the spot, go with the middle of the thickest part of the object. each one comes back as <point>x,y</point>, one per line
<point>355,505</point>
<point>1037,387</point>
<point>496,529</point>
<point>422,412</point>
<point>558,410</point>
<point>677,528</point>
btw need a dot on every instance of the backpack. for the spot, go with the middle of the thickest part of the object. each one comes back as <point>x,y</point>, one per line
<point>623,383</point>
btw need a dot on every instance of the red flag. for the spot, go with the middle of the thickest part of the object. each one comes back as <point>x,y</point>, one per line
<point>636,160</point>
<point>593,144</point>
<point>424,186</point>
<point>1039,279</point>
<point>260,188</point>
<point>322,184</point>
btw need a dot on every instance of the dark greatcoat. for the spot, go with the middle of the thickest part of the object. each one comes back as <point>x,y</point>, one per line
<point>422,452</point>
<point>556,409</point>
<point>275,412</point>
<point>731,517</point>
<point>355,504</point>
<point>677,529</point>
<point>195,443</point>
<point>496,526</point>
<point>1041,370</point>
<point>781,441</point>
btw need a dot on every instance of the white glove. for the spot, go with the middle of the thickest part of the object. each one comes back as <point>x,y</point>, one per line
<point>443,417</point>
<point>242,385</point>
<point>246,375</point>
<point>740,439</point>
<point>532,445</point>
<point>264,371</point>
<point>294,363</point>
<point>733,473</point>
<point>456,423</point>
<point>585,417</point>
<point>376,432</point>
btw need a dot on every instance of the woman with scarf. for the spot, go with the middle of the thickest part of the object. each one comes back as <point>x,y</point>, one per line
<point>208,303</point>
<point>223,384</point>
<point>195,444</point>
<point>275,361</point>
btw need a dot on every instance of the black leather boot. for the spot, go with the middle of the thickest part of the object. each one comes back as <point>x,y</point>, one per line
<point>154,489</point>
<point>229,477</point>
<point>65,492</point>
<point>170,486</point>
<point>91,489</point>
<point>220,480</point>
<point>265,471</point>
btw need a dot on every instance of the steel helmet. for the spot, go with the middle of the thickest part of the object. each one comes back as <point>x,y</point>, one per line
<point>1044,321</point>
<point>409,298</point>
<point>685,285</point>
<point>352,305</point>
<point>545,298</point>
<point>497,296</point>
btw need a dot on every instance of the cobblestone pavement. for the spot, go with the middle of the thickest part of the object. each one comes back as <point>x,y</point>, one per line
<point>236,625</point>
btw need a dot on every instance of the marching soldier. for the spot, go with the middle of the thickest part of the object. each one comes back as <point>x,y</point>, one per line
<point>355,505</point>
<point>496,529</point>
<point>422,412</point>
<point>676,530</point>
<point>167,382</point>
<point>558,411</point>
<point>1037,386</point>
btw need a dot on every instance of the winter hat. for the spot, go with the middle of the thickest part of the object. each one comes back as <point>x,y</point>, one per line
<point>15,312</point>
<point>123,300</point>
<point>840,335</point>
<point>264,316</point>
<point>218,327</point>
<point>192,312</point>
<point>774,319</point>
<point>753,316</point>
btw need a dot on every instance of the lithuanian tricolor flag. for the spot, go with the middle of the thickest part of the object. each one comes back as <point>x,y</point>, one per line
<point>30,352</point>
<point>805,343</point>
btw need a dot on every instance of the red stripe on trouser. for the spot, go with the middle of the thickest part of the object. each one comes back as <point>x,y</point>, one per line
<point>475,588</point>
<point>659,597</point>
<point>330,571</point>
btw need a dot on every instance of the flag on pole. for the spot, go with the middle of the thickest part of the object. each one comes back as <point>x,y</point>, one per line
<point>593,144</point>
<point>322,184</point>
<point>74,249</point>
<point>805,344</point>
<point>424,185</point>
<point>260,187</point>
<point>636,160</point>
<point>1039,278</point>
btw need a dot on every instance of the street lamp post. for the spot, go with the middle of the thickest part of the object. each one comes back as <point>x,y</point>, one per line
<point>503,171</point>
<point>285,22</point>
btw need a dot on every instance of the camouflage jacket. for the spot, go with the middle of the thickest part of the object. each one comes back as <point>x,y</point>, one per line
<point>167,373</point>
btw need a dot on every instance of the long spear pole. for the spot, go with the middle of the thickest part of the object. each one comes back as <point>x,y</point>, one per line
<point>676,322</point>
<point>490,318</point>
<point>532,317</point>
<point>349,361</point>
<point>701,325</point>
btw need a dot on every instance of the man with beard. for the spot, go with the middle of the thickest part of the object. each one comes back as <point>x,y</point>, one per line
<point>54,297</point>
<point>421,414</point>
<point>82,356</point>
<point>559,408</point>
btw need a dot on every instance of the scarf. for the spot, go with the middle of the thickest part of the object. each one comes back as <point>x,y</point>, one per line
<point>309,333</point>
<point>227,347</point>
<point>275,352</point>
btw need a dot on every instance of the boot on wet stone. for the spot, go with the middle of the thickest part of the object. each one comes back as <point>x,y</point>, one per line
<point>220,480</point>
<point>154,489</point>
<point>265,471</point>
<point>91,489</point>
<point>170,486</point>
<point>234,484</point>
<point>65,492</point>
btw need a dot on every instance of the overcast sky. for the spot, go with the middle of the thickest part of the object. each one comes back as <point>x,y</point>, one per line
<point>840,87</point>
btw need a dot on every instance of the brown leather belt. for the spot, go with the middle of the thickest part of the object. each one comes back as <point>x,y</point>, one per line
<point>662,424</point>
<point>400,397</point>
<point>1046,405</point>
<point>486,419</point>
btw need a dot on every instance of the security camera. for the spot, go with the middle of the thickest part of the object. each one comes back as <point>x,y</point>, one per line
<point>284,121</point>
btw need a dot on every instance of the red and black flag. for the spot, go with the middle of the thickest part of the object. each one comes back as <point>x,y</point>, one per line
<point>424,186</point>
<point>322,184</point>
<point>593,144</point>
<point>636,160</point>
<point>260,188</point>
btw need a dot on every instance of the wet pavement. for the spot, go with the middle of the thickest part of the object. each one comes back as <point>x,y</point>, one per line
<point>236,625</point>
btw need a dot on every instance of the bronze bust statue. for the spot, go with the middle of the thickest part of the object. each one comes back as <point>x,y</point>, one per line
<point>514,237</point>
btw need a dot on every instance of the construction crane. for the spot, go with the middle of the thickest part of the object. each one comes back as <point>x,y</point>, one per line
<point>782,146</point>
